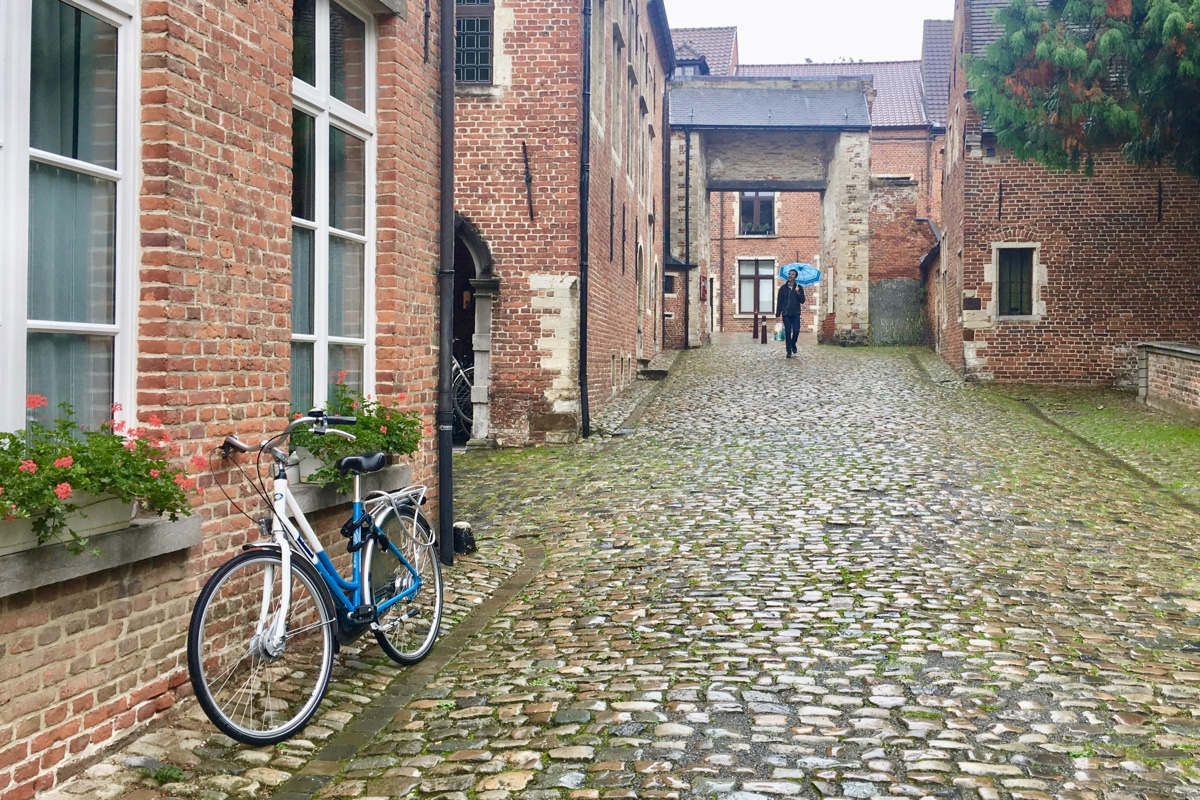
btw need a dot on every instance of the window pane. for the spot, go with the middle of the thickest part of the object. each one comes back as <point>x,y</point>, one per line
<point>303,275</point>
<point>82,375</point>
<point>746,296</point>
<point>766,213</point>
<point>766,268</point>
<point>346,365</point>
<point>72,246</point>
<point>302,376</point>
<point>347,181</point>
<point>766,296</point>
<point>746,267</point>
<point>73,84</point>
<point>346,293</point>
<point>304,41</point>
<point>347,57</point>
<point>1016,281</point>
<point>473,50</point>
<point>304,166</point>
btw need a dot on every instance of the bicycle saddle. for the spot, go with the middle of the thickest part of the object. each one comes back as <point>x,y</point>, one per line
<point>367,462</point>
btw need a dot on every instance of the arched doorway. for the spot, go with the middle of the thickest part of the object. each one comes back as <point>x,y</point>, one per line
<point>475,287</point>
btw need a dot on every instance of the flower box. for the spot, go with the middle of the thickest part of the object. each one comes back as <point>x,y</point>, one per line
<point>94,515</point>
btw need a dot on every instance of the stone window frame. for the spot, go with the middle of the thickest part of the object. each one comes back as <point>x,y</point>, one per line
<point>991,277</point>
<point>16,155</point>
<point>673,292</point>
<point>737,215</point>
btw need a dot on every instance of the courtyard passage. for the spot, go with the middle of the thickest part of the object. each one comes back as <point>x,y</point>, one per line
<point>845,574</point>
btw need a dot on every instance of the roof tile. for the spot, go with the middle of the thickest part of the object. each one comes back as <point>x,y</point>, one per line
<point>717,45</point>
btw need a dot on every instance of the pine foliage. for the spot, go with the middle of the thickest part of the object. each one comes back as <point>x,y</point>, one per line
<point>1072,77</point>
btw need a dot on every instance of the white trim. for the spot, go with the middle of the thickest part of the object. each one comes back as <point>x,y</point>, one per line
<point>16,154</point>
<point>328,111</point>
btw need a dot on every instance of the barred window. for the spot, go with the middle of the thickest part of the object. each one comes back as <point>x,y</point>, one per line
<point>474,41</point>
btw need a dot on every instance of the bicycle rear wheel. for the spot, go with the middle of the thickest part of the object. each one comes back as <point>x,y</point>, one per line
<point>407,629</point>
<point>463,408</point>
<point>251,693</point>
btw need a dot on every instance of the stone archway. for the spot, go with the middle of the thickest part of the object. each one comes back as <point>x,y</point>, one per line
<point>771,135</point>
<point>473,258</point>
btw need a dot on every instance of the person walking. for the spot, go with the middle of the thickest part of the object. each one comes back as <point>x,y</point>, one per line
<point>788,305</point>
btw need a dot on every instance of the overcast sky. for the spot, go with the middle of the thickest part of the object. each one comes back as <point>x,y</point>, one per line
<point>789,31</point>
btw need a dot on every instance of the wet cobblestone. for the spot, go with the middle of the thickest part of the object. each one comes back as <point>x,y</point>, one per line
<point>841,575</point>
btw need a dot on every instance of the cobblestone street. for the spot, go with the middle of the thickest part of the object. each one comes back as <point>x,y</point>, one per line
<point>845,574</point>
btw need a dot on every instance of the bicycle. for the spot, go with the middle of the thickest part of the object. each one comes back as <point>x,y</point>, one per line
<point>462,382</point>
<point>268,622</point>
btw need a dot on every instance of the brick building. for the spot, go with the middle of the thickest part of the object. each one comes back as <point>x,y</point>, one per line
<point>1049,277</point>
<point>209,211</point>
<point>536,299</point>
<point>753,233</point>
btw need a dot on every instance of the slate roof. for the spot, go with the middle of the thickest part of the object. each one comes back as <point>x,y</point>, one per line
<point>936,62</point>
<point>898,101</point>
<point>697,106</point>
<point>717,45</point>
<point>980,28</point>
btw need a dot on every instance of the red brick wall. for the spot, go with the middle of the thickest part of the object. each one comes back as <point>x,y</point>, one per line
<point>1173,379</point>
<point>898,240</point>
<point>797,224</point>
<point>85,662</point>
<point>538,100</point>
<point>1115,274</point>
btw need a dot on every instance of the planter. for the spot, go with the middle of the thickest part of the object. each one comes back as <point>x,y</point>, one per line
<point>94,515</point>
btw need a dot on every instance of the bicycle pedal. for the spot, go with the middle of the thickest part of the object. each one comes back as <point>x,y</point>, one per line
<point>363,615</point>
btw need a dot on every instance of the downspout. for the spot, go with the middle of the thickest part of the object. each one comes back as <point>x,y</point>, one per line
<point>687,240</point>
<point>585,180</point>
<point>666,218</point>
<point>721,269</point>
<point>445,410</point>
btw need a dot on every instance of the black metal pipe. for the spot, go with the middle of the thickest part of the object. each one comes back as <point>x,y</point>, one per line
<point>687,241</point>
<point>445,409</point>
<point>585,180</point>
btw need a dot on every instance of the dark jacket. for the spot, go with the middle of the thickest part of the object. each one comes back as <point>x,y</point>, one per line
<point>789,301</point>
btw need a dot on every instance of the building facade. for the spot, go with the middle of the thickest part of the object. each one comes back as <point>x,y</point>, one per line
<point>1051,277</point>
<point>559,192</point>
<point>212,213</point>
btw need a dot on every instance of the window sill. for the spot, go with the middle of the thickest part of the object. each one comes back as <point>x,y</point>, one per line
<point>478,90</point>
<point>52,563</point>
<point>757,236</point>
<point>313,498</point>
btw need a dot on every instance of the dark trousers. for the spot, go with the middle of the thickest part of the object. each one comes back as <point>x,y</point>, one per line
<point>791,329</point>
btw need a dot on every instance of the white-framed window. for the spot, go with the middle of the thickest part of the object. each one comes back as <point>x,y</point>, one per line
<point>68,207</point>
<point>756,285</point>
<point>333,200</point>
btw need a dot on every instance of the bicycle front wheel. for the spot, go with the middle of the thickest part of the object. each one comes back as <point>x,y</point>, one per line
<point>256,691</point>
<point>406,627</point>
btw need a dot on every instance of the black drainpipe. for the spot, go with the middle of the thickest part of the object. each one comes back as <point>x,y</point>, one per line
<point>666,218</point>
<point>585,180</point>
<point>445,411</point>
<point>687,241</point>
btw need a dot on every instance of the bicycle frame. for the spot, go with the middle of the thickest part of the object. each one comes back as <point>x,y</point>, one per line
<point>285,532</point>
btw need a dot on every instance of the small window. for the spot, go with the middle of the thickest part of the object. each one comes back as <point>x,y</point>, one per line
<point>474,41</point>
<point>1015,277</point>
<point>757,214</point>
<point>756,286</point>
<point>668,284</point>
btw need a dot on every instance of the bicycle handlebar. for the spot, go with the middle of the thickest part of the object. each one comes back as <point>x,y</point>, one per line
<point>315,419</point>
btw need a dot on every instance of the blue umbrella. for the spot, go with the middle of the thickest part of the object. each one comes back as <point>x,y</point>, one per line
<point>807,274</point>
